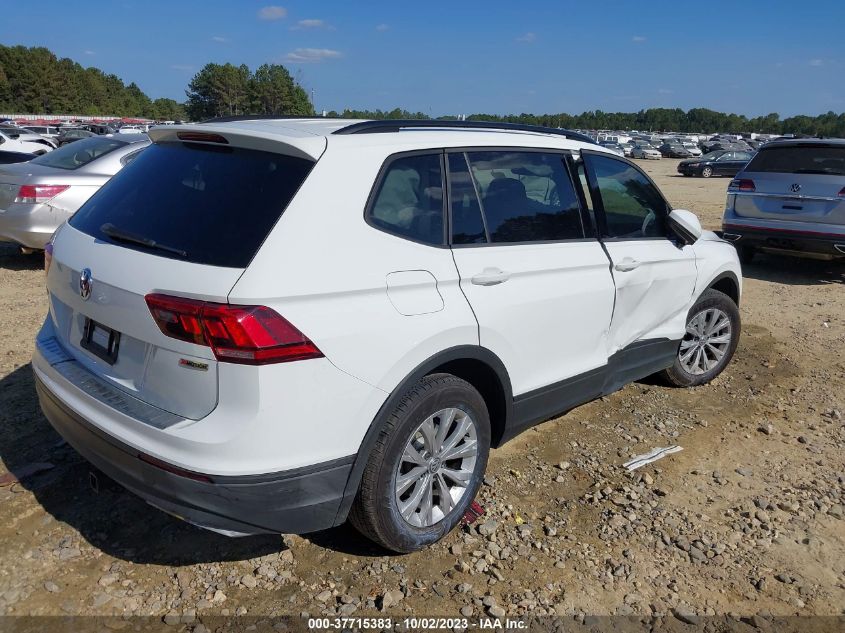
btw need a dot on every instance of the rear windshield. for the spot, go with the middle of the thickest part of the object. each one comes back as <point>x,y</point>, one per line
<point>75,155</point>
<point>203,204</point>
<point>800,159</point>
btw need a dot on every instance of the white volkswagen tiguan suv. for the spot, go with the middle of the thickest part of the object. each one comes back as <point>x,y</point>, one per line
<point>275,325</point>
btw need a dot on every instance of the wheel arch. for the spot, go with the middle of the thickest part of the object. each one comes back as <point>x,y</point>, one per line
<point>726,283</point>
<point>477,365</point>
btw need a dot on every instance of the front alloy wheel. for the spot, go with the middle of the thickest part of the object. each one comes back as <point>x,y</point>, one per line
<point>706,341</point>
<point>711,337</point>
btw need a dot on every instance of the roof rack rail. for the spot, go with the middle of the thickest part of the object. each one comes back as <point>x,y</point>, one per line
<point>395,125</point>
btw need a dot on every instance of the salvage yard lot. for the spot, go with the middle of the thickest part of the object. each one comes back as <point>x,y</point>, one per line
<point>747,519</point>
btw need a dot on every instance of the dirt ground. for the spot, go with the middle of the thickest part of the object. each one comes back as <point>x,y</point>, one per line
<point>746,520</point>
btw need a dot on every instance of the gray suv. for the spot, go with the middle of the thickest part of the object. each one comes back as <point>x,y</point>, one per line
<point>790,198</point>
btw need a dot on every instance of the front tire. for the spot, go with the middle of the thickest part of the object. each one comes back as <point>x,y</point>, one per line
<point>426,466</point>
<point>712,334</point>
<point>707,172</point>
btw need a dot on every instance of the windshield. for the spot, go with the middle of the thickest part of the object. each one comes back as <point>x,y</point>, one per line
<point>712,155</point>
<point>79,153</point>
<point>800,159</point>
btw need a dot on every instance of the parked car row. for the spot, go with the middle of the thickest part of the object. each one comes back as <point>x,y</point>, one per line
<point>698,151</point>
<point>39,195</point>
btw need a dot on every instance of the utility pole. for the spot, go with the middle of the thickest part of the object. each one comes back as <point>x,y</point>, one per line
<point>314,107</point>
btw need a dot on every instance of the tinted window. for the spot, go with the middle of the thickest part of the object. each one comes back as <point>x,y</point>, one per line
<point>801,159</point>
<point>633,207</point>
<point>75,155</point>
<point>217,204</point>
<point>409,201</point>
<point>526,196</point>
<point>467,223</point>
<point>7,158</point>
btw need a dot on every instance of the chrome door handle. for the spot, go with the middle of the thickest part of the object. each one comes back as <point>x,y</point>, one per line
<point>490,277</point>
<point>627,265</point>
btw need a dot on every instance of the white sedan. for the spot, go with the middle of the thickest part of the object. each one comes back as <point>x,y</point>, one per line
<point>25,143</point>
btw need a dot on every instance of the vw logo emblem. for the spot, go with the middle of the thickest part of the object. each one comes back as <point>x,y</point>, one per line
<point>85,284</point>
<point>795,188</point>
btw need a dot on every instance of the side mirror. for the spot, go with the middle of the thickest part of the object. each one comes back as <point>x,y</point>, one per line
<point>685,225</point>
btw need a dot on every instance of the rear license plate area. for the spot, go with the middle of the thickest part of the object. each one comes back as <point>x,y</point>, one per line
<point>101,341</point>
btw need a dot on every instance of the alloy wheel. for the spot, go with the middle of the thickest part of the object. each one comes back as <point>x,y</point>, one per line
<point>436,467</point>
<point>706,341</point>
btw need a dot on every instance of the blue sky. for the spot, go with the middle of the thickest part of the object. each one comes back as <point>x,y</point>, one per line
<point>541,56</point>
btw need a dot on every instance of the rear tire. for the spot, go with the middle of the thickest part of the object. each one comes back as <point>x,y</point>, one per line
<point>409,497</point>
<point>713,329</point>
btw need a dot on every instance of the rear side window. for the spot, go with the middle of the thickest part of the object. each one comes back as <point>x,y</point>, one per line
<point>526,196</point>
<point>801,159</point>
<point>75,155</point>
<point>214,204</point>
<point>409,199</point>
<point>467,223</point>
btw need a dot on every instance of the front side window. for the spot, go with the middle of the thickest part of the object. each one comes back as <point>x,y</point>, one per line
<point>526,196</point>
<point>633,207</point>
<point>409,200</point>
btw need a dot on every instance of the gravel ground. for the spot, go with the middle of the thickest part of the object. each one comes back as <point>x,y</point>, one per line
<point>747,520</point>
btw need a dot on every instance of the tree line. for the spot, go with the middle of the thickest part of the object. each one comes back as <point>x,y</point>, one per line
<point>652,119</point>
<point>35,80</point>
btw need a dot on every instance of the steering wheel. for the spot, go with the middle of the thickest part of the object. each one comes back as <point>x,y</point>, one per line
<point>649,218</point>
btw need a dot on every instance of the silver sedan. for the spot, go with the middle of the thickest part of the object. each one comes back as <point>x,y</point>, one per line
<point>37,196</point>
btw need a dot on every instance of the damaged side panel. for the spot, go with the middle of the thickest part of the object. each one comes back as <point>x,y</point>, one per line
<point>655,282</point>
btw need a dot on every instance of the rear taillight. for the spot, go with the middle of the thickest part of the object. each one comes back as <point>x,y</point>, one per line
<point>250,335</point>
<point>841,194</point>
<point>742,184</point>
<point>33,194</point>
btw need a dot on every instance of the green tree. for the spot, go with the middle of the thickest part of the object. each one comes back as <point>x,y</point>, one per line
<point>274,91</point>
<point>218,90</point>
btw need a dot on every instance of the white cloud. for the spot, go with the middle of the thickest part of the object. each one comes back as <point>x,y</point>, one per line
<point>311,24</point>
<point>182,67</point>
<point>382,27</point>
<point>90,53</point>
<point>311,55</point>
<point>220,38</point>
<point>272,13</point>
<point>528,38</point>
<point>638,38</point>
<point>816,62</point>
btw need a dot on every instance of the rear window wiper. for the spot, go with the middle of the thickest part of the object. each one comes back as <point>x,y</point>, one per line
<point>125,236</point>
